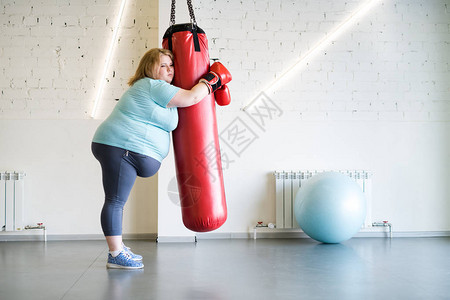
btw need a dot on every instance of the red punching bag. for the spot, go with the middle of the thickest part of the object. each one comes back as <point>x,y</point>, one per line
<point>195,140</point>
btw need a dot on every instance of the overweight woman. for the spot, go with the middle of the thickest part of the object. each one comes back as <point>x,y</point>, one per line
<point>135,138</point>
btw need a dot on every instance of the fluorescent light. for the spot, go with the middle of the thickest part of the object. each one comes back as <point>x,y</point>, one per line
<point>108,59</point>
<point>317,48</point>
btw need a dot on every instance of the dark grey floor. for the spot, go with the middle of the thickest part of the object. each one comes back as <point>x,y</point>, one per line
<point>361,268</point>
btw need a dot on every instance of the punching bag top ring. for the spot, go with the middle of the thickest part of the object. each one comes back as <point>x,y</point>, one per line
<point>194,29</point>
<point>182,27</point>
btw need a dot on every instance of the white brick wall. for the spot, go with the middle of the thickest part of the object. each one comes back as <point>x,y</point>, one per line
<point>392,65</point>
<point>52,54</point>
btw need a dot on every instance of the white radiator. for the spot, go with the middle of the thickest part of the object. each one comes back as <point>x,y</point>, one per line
<point>11,201</point>
<point>288,183</point>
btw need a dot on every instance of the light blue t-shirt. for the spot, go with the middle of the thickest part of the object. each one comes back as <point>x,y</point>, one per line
<point>141,122</point>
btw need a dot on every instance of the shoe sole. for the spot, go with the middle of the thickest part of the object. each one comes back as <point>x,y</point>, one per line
<point>114,266</point>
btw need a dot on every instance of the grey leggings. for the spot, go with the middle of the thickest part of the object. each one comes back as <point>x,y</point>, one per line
<point>120,168</point>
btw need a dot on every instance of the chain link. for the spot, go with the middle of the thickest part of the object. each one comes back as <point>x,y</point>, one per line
<point>191,12</point>
<point>172,13</point>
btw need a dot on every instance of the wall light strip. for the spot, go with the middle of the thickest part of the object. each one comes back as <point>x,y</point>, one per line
<point>108,59</point>
<point>326,40</point>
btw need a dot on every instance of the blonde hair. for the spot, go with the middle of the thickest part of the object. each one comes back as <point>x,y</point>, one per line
<point>149,63</point>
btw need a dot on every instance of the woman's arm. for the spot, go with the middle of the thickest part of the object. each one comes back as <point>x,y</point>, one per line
<point>217,76</point>
<point>185,98</point>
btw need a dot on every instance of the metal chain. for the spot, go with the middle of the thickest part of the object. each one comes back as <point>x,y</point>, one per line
<point>191,12</point>
<point>172,13</point>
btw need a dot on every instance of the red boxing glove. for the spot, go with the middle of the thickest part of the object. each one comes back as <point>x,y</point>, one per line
<point>217,76</point>
<point>223,96</point>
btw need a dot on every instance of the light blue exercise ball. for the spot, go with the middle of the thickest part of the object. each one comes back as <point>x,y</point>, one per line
<point>330,207</point>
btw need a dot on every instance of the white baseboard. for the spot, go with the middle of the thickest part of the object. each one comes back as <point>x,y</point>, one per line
<point>261,233</point>
<point>11,237</point>
<point>176,239</point>
<point>265,233</point>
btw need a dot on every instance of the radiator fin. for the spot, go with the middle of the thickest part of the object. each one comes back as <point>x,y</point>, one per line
<point>11,201</point>
<point>288,183</point>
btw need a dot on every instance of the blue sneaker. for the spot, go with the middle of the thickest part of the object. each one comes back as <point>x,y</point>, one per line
<point>135,257</point>
<point>123,261</point>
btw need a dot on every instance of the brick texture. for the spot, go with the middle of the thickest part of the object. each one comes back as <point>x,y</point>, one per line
<point>393,64</point>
